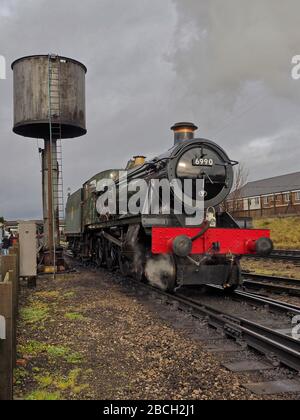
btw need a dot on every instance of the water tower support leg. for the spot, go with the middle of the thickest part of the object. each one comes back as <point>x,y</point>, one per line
<point>52,252</point>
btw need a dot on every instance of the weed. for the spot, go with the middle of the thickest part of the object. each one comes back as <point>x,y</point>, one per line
<point>74,358</point>
<point>69,295</point>
<point>42,395</point>
<point>20,374</point>
<point>58,351</point>
<point>60,383</point>
<point>35,348</point>
<point>44,381</point>
<point>48,295</point>
<point>36,312</point>
<point>74,316</point>
<point>32,348</point>
<point>71,382</point>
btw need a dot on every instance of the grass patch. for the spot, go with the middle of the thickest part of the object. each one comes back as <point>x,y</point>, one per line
<point>74,358</point>
<point>58,351</point>
<point>36,312</point>
<point>36,348</point>
<point>44,380</point>
<point>20,374</point>
<point>69,295</point>
<point>285,231</point>
<point>42,395</point>
<point>59,383</point>
<point>65,353</point>
<point>48,295</point>
<point>74,316</point>
<point>32,348</point>
<point>71,382</point>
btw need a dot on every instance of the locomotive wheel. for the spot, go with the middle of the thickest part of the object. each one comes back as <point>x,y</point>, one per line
<point>124,264</point>
<point>138,263</point>
<point>110,256</point>
<point>229,290</point>
<point>161,272</point>
<point>138,272</point>
<point>99,253</point>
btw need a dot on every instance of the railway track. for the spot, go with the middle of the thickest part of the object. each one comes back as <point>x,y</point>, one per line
<point>259,300</point>
<point>274,343</point>
<point>280,255</point>
<point>267,341</point>
<point>270,342</point>
<point>282,285</point>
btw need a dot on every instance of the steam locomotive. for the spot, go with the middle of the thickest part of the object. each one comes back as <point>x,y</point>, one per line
<point>165,248</point>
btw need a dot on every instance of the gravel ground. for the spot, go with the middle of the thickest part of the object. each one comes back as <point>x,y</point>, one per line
<point>244,309</point>
<point>83,336</point>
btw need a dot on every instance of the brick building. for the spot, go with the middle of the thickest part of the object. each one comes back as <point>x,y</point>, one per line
<point>267,197</point>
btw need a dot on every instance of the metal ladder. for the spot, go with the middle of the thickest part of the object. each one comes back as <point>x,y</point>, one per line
<point>55,130</point>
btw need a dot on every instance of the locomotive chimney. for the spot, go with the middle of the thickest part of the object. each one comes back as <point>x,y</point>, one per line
<point>183,131</point>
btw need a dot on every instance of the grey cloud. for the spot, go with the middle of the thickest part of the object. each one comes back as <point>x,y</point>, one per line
<point>233,62</point>
<point>123,45</point>
<point>223,65</point>
<point>236,41</point>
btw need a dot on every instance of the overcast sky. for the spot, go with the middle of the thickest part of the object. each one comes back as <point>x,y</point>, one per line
<point>224,65</point>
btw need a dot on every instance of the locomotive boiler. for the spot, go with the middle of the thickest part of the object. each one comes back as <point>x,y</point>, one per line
<point>170,236</point>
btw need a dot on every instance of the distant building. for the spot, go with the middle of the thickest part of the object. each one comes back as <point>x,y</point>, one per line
<point>14,224</point>
<point>267,197</point>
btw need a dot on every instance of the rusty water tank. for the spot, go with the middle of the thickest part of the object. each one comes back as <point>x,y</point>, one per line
<point>32,92</point>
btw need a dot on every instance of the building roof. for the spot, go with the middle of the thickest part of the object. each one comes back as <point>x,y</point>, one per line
<point>16,222</point>
<point>277,184</point>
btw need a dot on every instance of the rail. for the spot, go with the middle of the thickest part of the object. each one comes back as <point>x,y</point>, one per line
<point>269,342</point>
<point>273,284</point>
<point>265,340</point>
<point>259,300</point>
<point>280,255</point>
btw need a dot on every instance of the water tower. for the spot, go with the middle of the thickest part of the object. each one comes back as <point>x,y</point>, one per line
<point>49,104</point>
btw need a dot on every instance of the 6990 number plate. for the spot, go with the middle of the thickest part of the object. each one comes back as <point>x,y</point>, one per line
<point>202,162</point>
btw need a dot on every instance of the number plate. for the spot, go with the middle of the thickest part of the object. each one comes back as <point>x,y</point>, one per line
<point>202,162</point>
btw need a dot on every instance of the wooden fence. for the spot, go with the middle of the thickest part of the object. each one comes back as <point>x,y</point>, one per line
<point>9,291</point>
<point>275,205</point>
